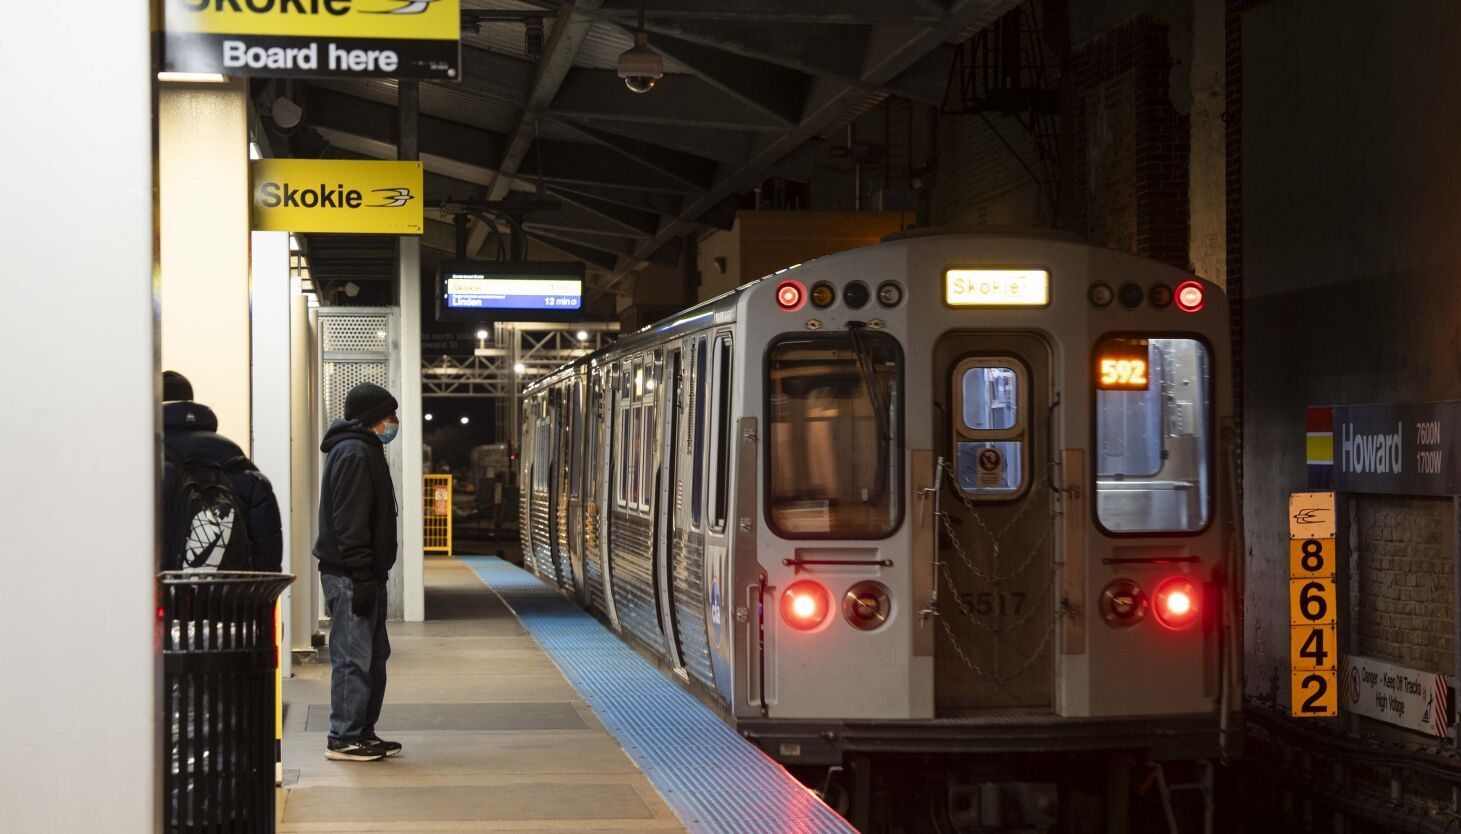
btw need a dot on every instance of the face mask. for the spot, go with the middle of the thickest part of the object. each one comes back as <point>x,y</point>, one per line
<point>390,433</point>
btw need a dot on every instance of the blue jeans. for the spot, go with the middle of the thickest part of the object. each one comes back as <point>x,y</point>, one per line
<point>359,650</point>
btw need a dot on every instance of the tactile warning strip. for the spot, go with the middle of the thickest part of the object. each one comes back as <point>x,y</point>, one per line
<point>716,781</point>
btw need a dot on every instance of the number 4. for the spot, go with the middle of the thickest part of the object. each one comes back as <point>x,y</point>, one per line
<point>1313,648</point>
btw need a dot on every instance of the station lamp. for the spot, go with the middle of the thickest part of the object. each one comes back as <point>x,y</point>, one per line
<point>519,369</point>
<point>428,417</point>
<point>466,420</point>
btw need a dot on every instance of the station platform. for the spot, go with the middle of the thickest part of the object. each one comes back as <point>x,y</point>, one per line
<point>521,713</point>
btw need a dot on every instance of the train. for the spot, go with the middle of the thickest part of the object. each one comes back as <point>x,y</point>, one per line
<point>956,503</point>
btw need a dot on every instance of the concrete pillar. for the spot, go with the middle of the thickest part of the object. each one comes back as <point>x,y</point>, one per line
<point>303,614</point>
<point>203,179</point>
<point>80,442</point>
<point>270,302</point>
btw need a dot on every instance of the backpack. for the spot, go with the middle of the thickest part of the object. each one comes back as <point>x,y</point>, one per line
<point>205,525</point>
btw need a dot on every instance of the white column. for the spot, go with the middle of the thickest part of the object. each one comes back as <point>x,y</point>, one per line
<point>269,298</point>
<point>81,429</point>
<point>302,507</point>
<point>413,533</point>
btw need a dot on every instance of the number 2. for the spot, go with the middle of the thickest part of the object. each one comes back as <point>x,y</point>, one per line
<point>1321,686</point>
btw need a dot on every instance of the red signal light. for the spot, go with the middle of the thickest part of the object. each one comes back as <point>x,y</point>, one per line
<point>791,295</point>
<point>804,605</point>
<point>1189,296</point>
<point>1177,603</point>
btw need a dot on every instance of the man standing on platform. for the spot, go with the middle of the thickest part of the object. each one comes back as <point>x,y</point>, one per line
<point>356,549</point>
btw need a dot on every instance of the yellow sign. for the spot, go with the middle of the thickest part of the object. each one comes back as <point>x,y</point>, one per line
<point>300,38</point>
<point>1315,694</point>
<point>1310,558</point>
<point>1311,515</point>
<point>339,196</point>
<point>997,287</point>
<point>1313,650</point>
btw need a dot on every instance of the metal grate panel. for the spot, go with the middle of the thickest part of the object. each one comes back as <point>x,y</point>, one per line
<point>340,377</point>
<point>355,334</point>
<point>716,781</point>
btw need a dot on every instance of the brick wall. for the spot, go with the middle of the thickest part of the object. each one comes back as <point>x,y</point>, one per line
<point>1406,599</point>
<point>1132,145</point>
<point>982,182</point>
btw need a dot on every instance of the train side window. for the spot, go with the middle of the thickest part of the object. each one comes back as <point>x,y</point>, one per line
<point>990,427</point>
<point>621,451</point>
<point>721,473</point>
<point>697,432</point>
<point>635,450</point>
<point>1153,439</point>
<point>647,464</point>
<point>575,437</point>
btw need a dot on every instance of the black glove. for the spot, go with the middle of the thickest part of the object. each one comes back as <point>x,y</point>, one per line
<point>362,597</point>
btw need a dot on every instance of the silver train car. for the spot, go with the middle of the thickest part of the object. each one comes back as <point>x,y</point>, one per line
<point>956,495</point>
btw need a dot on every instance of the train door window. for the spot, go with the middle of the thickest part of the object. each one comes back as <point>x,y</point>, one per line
<point>621,453</point>
<point>990,427</point>
<point>697,431</point>
<point>1153,436</point>
<point>720,486</point>
<point>575,452</point>
<point>833,430</point>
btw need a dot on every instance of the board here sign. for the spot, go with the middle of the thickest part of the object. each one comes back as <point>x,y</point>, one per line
<point>1313,652</point>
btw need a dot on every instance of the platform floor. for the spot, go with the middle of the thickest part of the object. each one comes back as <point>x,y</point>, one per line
<point>496,739</point>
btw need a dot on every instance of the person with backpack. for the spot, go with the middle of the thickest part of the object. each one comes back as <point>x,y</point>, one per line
<point>356,549</point>
<point>219,510</point>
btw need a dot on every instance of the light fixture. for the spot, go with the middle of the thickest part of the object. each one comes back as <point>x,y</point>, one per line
<point>640,66</point>
<point>791,295</point>
<point>191,78</point>
<point>286,113</point>
<point>1177,602</point>
<point>583,335</point>
<point>466,420</point>
<point>428,417</point>
<point>1189,296</point>
<point>519,369</point>
<point>481,335</point>
<point>804,605</point>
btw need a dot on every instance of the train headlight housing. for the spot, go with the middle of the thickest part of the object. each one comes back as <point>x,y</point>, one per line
<point>1102,295</point>
<point>804,605</point>
<point>889,294</point>
<point>791,295</point>
<point>866,605</point>
<point>1189,296</point>
<point>855,295</point>
<point>823,295</point>
<point>1160,295</point>
<point>1177,602</point>
<point>1123,603</point>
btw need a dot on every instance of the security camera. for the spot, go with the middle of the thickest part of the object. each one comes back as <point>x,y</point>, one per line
<point>640,66</point>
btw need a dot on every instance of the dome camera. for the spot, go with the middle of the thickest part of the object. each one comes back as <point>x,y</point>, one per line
<point>640,66</point>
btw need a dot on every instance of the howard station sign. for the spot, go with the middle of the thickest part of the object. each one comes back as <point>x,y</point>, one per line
<point>1403,449</point>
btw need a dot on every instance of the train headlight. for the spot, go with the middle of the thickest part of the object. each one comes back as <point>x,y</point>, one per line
<point>889,294</point>
<point>1123,603</point>
<point>866,605</point>
<point>791,295</point>
<point>1101,295</point>
<point>1131,296</point>
<point>1160,295</point>
<point>1189,296</point>
<point>1177,602</point>
<point>804,605</point>
<point>823,295</point>
<point>855,295</point>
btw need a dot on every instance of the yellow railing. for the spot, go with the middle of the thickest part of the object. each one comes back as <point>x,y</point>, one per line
<point>436,496</point>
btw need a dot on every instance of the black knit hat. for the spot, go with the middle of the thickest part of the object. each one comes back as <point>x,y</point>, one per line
<point>368,404</point>
<point>175,387</point>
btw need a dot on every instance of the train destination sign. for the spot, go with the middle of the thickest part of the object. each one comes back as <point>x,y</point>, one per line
<point>510,291</point>
<point>1398,449</point>
<point>337,196</point>
<point>313,38</point>
<point>996,287</point>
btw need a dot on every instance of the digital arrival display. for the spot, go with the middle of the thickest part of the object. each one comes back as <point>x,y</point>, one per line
<point>527,292</point>
<point>486,291</point>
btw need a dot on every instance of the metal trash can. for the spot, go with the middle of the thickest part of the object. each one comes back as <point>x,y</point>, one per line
<point>219,657</point>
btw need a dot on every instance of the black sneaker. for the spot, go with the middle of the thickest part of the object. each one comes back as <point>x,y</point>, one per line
<point>354,751</point>
<point>392,748</point>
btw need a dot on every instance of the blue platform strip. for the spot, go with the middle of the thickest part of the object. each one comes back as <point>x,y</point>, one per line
<point>714,780</point>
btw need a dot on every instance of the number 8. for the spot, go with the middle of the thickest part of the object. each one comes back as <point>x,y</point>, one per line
<point>1313,558</point>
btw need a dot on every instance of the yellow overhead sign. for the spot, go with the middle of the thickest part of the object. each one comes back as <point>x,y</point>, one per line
<point>339,196</point>
<point>300,38</point>
<point>997,287</point>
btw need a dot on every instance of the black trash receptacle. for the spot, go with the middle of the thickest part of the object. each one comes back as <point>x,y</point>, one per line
<point>219,658</point>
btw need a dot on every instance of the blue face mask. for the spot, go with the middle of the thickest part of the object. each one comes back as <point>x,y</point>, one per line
<point>390,433</point>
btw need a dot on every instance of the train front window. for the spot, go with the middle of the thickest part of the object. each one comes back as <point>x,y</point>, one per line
<point>990,427</point>
<point>834,418</point>
<point>1153,437</point>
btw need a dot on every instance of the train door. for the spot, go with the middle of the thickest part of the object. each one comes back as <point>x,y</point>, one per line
<point>552,460</point>
<point>606,395</point>
<point>667,526</point>
<point>996,559</point>
<point>571,527</point>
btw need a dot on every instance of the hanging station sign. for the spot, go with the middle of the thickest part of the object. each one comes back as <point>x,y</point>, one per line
<point>1397,449</point>
<point>314,38</point>
<point>337,196</point>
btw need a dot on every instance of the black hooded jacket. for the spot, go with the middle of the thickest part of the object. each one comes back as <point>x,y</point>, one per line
<point>190,430</point>
<point>357,504</point>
